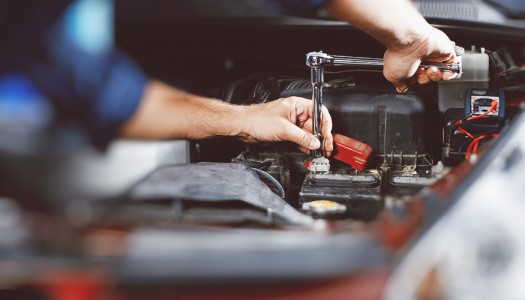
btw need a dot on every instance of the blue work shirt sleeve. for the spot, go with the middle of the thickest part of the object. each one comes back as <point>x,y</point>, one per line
<point>102,90</point>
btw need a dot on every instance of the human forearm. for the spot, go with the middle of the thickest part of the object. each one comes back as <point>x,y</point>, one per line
<point>395,23</point>
<point>166,112</point>
<point>406,34</point>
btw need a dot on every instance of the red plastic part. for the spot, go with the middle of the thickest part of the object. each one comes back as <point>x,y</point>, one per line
<point>307,164</point>
<point>350,151</point>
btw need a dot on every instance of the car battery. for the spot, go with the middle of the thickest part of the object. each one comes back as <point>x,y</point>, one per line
<point>358,192</point>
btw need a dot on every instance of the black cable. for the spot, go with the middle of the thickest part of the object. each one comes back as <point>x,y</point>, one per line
<point>274,181</point>
<point>469,140</point>
<point>255,164</point>
<point>455,127</point>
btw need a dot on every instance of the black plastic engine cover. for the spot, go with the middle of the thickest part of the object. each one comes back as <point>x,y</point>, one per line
<point>391,123</point>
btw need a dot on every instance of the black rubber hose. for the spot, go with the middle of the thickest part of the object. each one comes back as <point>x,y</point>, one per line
<point>274,181</point>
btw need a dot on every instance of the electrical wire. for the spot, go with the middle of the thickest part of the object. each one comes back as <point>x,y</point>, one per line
<point>475,140</point>
<point>467,142</point>
<point>274,181</point>
<point>500,74</point>
<point>472,116</point>
<point>493,106</point>
<point>473,147</point>
<point>466,133</point>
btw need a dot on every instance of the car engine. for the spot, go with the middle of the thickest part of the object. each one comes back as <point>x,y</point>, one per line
<point>415,136</point>
<point>222,218</point>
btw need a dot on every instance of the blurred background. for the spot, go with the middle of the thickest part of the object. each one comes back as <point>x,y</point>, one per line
<point>209,47</point>
<point>48,161</point>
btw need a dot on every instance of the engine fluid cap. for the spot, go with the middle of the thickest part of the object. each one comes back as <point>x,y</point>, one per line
<point>324,207</point>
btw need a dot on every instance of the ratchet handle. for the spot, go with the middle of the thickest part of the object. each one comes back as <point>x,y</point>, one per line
<point>321,60</point>
<point>319,152</point>
<point>456,67</point>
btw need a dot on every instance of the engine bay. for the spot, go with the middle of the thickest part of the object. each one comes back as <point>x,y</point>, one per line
<point>221,213</point>
<point>416,137</point>
<point>390,123</point>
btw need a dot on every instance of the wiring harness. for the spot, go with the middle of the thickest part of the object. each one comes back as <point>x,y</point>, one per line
<point>474,140</point>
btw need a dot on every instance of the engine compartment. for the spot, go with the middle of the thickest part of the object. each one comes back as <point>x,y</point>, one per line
<point>222,217</point>
<point>397,126</point>
<point>416,137</point>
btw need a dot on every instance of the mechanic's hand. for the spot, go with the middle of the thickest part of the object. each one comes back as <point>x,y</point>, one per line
<point>287,119</point>
<point>402,62</point>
